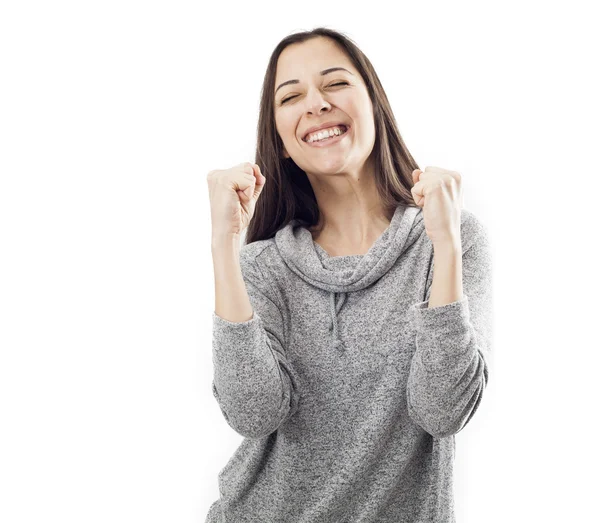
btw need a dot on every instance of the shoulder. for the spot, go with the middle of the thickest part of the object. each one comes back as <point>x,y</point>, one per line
<point>254,251</point>
<point>472,229</point>
<point>259,262</point>
<point>258,257</point>
<point>475,240</point>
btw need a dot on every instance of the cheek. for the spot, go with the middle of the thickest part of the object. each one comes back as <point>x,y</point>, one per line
<point>285,129</point>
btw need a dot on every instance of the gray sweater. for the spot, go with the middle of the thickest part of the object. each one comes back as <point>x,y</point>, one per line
<point>347,388</point>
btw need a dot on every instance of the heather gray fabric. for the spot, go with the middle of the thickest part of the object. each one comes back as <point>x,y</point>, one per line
<point>347,388</point>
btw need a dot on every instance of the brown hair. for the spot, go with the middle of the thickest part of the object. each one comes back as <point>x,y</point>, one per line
<point>287,193</point>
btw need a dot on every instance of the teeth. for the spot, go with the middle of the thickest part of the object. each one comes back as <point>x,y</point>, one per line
<point>323,135</point>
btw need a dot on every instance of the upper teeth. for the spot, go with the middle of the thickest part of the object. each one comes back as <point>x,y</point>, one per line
<point>324,133</point>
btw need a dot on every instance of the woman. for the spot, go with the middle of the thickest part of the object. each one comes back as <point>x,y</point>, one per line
<point>352,331</point>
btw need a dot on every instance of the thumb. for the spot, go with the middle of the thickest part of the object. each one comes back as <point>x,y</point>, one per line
<point>244,194</point>
<point>416,175</point>
<point>260,181</point>
<point>417,193</point>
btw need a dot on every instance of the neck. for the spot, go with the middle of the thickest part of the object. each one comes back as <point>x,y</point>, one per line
<point>353,231</point>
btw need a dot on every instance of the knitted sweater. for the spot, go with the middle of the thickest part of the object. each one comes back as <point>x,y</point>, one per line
<point>347,388</point>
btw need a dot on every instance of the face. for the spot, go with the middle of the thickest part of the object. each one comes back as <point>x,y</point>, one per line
<point>315,99</point>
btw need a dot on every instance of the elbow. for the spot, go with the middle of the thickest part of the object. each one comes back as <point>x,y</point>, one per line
<point>445,430</point>
<point>258,425</point>
<point>446,422</point>
<point>257,419</point>
<point>250,429</point>
<point>436,427</point>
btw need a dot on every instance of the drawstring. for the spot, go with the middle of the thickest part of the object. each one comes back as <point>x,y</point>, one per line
<point>337,343</point>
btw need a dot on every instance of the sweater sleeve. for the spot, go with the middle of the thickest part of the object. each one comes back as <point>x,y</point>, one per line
<point>253,383</point>
<point>450,366</point>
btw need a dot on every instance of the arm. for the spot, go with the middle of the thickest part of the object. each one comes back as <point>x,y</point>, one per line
<point>447,286</point>
<point>449,370</point>
<point>253,383</point>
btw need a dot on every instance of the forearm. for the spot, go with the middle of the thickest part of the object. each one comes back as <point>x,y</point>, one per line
<point>447,286</point>
<point>449,371</point>
<point>444,386</point>
<point>253,390</point>
<point>231,297</point>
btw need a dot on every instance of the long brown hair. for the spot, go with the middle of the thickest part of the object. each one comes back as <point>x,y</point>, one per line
<point>287,193</point>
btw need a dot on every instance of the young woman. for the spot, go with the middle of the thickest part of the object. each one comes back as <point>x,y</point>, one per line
<point>352,330</point>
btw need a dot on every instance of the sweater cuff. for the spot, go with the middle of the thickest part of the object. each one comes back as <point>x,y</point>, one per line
<point>227,333</point>
<point>226,323</point>
<point>442,319</point>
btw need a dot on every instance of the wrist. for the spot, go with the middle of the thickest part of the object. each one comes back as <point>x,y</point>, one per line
<point>220,241</point>
<point>450,246</point>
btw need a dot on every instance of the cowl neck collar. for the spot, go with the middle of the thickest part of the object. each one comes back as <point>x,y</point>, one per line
<point>342,274</point>
<point>348,273</point>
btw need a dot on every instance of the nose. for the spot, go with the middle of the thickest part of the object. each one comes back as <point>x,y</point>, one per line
<point>316,103</point>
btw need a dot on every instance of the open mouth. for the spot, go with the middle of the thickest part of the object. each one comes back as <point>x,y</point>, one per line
<point>329,140</point>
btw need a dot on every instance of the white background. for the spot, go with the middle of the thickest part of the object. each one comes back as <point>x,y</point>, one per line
<point>111,115</point>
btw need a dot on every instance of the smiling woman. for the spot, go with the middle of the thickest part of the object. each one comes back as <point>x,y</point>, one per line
<point>346,383</point>
<point>318,79</point>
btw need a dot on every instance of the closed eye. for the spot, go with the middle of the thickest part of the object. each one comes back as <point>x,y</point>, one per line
<point>290,97</point>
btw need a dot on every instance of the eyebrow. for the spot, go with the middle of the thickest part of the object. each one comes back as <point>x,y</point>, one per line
<point>323,73</point>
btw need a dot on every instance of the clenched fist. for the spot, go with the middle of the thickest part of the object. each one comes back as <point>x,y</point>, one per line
<point>233,194</point>
<point>439,193</point>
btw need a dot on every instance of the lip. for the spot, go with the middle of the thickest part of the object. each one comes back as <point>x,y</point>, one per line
<point>323,126</point>
<point>331,141</point>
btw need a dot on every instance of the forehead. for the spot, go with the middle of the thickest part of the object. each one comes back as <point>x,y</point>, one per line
<point>306,59</point>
